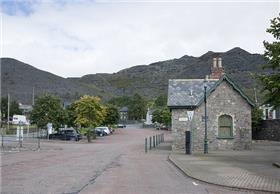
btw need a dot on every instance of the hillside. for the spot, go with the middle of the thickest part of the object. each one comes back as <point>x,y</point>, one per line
<point>149,80</point>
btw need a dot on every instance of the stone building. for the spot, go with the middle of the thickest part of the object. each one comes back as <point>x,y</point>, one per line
<point>228,111</point>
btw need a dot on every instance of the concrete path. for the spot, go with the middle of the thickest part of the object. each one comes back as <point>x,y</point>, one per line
<point>251,170</point>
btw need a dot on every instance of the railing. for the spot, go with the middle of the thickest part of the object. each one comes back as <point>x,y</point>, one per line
<point>22,139</point>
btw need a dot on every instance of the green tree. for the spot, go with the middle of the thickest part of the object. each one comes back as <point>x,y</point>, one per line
<point>157,116</point>
<point>137,107</point>
<point>162,115</point>
<point>14,108</point>
<point>161,101</point>
<point>257,115</point>
<point>120,101</point>
<point>89,111</point>
<point>271,82</point>
<point>70,115</point>
<point>47,108</point>
<point>112,115</point>
<point>166,116</point>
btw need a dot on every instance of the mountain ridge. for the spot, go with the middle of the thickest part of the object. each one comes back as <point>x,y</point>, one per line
<point>150,80</point>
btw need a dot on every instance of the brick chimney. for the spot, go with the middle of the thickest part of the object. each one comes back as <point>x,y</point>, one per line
<point>217,69</point>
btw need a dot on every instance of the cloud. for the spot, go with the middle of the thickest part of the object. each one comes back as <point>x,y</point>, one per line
<point>74,38</point>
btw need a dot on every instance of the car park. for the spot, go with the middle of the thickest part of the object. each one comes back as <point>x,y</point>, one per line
<point>66,134</point>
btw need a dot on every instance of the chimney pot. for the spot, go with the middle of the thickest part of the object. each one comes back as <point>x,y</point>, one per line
<point>219,62</point>
<point>214,62</point>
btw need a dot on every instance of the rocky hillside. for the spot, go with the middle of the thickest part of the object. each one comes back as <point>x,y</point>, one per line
<point>149,80</point>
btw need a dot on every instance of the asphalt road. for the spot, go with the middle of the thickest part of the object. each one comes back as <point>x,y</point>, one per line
<point>112,164</point>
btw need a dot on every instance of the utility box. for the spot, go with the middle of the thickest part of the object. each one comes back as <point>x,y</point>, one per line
<point>188,142</point>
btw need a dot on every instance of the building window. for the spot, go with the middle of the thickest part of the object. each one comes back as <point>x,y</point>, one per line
<point>225,126</point>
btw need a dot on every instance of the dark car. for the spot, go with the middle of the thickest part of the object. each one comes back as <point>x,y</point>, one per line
<point>121,125</point>
<point>100,131</point>
<point>66,134</point>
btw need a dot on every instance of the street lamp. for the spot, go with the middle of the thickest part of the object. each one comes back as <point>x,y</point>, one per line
<point>205,122</point>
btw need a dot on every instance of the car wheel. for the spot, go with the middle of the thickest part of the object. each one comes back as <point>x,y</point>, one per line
<point>100,134</point>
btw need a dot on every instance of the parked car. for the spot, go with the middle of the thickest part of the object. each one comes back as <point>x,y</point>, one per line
<point>161,127</point>
<point>66,134</point>
<point>121,125</point>
<point>101,131</point>
<point>164,127</point>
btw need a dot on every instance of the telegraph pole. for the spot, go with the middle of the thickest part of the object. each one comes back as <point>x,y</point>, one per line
<point>33,96</point>
<point>205,120</point>
<point>8,111</point>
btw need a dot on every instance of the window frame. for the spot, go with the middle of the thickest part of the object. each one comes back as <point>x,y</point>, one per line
<point>226,126</point>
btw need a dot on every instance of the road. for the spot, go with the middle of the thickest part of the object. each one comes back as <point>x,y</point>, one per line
<point>112,164</point>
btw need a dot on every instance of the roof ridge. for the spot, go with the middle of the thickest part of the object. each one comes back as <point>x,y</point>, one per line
<point>194,79</point>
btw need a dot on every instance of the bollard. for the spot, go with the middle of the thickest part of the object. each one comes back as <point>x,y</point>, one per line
<point>38,137</point>
<point>150,143</point>
<point>163,137</point>
<point>188,142</point>
<point>146,145</point>
<point>154,143</point>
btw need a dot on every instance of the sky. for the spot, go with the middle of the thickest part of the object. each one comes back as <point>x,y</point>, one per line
<point>72,38</point>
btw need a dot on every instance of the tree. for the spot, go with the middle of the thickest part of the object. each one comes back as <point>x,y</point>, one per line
<point>137,107</point>
<point>120,101</point>
<point>161,101</point>
<point>271,82</point>
<point>14,108</point>
<point>70,115</point>
<point>162,116</point>
<point>47,108</point>
<point>89,111</point>
<point>257,115</point>
<point>112,115</point>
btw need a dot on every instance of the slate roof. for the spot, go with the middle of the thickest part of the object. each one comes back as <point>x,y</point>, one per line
<point>187,92</point>
<point>190,92</point>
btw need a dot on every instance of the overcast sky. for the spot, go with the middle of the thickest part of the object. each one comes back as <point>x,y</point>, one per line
<point>73,38</point>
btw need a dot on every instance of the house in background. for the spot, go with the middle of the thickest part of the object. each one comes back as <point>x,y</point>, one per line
<point>228,112</point>
<point>269,113</point>
<point>123,112</point>
<point>25,108</point>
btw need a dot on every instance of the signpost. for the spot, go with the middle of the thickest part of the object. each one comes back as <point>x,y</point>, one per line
<point>50,127</point>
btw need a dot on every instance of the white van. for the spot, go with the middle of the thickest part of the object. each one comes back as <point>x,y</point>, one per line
<point>19,119</point>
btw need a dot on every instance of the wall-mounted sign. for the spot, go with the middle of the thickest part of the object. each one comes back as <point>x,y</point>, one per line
<point>183,119</point>
<point>190,115</point>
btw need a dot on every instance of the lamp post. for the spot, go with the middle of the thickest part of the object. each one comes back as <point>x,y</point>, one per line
<point>205,122</point>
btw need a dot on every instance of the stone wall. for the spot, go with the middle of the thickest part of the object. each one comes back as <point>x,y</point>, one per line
<point>270,130</point>
<point>224,100</point>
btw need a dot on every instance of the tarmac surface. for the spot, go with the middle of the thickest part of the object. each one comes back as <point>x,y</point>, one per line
<point>252,170</point>
<point>115,164</point>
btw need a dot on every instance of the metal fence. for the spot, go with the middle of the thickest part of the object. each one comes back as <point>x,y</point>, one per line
<point>20,139</point>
